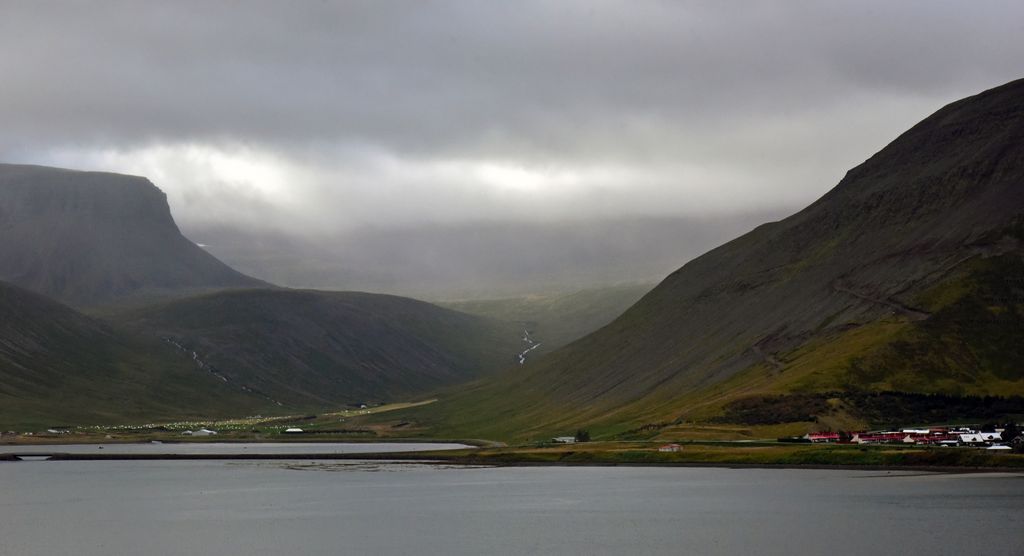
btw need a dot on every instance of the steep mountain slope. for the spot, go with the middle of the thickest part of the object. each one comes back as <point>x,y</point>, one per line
<point>87,238</point>
<point>906,276</point>
<point>59,366</point>
<point>315,349</point>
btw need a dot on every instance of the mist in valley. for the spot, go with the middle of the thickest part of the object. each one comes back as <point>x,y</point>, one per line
<point>470,150</point>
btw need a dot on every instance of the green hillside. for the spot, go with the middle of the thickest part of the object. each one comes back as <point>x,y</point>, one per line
<point>314,349</point>
<point>58,366</point>
<point>905,278</point>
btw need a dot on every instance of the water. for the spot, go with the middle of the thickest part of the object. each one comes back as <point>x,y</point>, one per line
<point>320,508</point>
<point>233,448</point>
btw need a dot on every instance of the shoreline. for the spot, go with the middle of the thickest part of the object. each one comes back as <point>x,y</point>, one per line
<point>298,439</point>
<point>471,461</point>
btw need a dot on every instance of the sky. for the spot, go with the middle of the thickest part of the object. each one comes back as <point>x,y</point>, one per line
<point>327,118</point>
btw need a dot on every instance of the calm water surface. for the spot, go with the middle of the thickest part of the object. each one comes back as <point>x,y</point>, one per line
<point>301,507</point>
<point>234,448</point>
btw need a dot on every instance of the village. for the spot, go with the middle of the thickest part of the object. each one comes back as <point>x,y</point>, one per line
<point>996,438</point>
<point>989,436</point>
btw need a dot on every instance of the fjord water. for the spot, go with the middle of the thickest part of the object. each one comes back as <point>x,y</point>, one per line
<point>200,448</point>
<point>319,508</point>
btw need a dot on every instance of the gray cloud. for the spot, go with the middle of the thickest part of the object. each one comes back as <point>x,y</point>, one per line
<point>326,117</point>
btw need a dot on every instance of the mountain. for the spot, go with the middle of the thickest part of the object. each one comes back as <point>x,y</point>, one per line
<point>903,280</point>
<point>182,333</point>
<point>87,238</point>
<point>58,366</point>
<point>233,353</point>
<point>314,349</point>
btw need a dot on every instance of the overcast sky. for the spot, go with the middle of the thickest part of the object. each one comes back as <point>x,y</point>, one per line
<point>325,116</point>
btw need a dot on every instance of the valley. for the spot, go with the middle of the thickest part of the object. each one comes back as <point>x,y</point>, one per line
<point>897,284</point>
<point>490,278</point>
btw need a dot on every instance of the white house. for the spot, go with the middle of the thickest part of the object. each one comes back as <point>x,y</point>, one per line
<point>564,440</point>
<point>293,430</point>
<point>973,438</point>
<point>204,432</point>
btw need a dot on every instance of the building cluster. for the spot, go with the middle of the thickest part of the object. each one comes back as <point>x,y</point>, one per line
<point>932,436</point>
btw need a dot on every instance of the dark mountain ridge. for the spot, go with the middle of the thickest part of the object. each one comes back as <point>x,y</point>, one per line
<point>60,366</point>
<point>183,334</point>
<point>313,349</point>
<point>88,238</point>
<point>233,353</point>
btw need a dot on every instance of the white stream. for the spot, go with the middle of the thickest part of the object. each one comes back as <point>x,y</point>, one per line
<point>529,341</point>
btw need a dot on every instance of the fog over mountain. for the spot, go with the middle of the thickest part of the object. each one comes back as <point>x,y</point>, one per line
<point>479,259</point>
<point>347,128</point>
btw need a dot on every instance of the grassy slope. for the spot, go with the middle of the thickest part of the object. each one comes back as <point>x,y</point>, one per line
<point>314,349</point>
<point>556,320</point>
<point>58,366</point>
<point>834,297</point>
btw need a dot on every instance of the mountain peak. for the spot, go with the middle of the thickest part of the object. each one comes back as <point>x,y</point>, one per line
<point>901,277</point>
<point>91,237</point>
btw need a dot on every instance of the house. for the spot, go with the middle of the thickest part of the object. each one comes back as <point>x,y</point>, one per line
<point>564,440</point>
<point>973,438</point>
<point>670,448</point>
<point>823,437</point>
<point>877,437</point>
<point>204,432</point>
<point>991,436</point>
<point>933,438</point>
<point>293,430</point>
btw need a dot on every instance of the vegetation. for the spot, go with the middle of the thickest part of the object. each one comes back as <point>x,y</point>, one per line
<point>58,366</point>
<point>896,297</point>
<point>904,279</point>
<point>255,352</point>
<point>310,349</point>
<point>876,408</point>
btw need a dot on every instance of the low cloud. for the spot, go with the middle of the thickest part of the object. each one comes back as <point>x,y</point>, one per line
<point>323,118</point>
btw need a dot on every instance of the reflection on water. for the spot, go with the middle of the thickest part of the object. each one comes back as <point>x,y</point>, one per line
<point>356,465</point>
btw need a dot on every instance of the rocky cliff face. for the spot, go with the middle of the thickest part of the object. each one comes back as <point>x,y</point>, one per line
<point>88,238</point>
